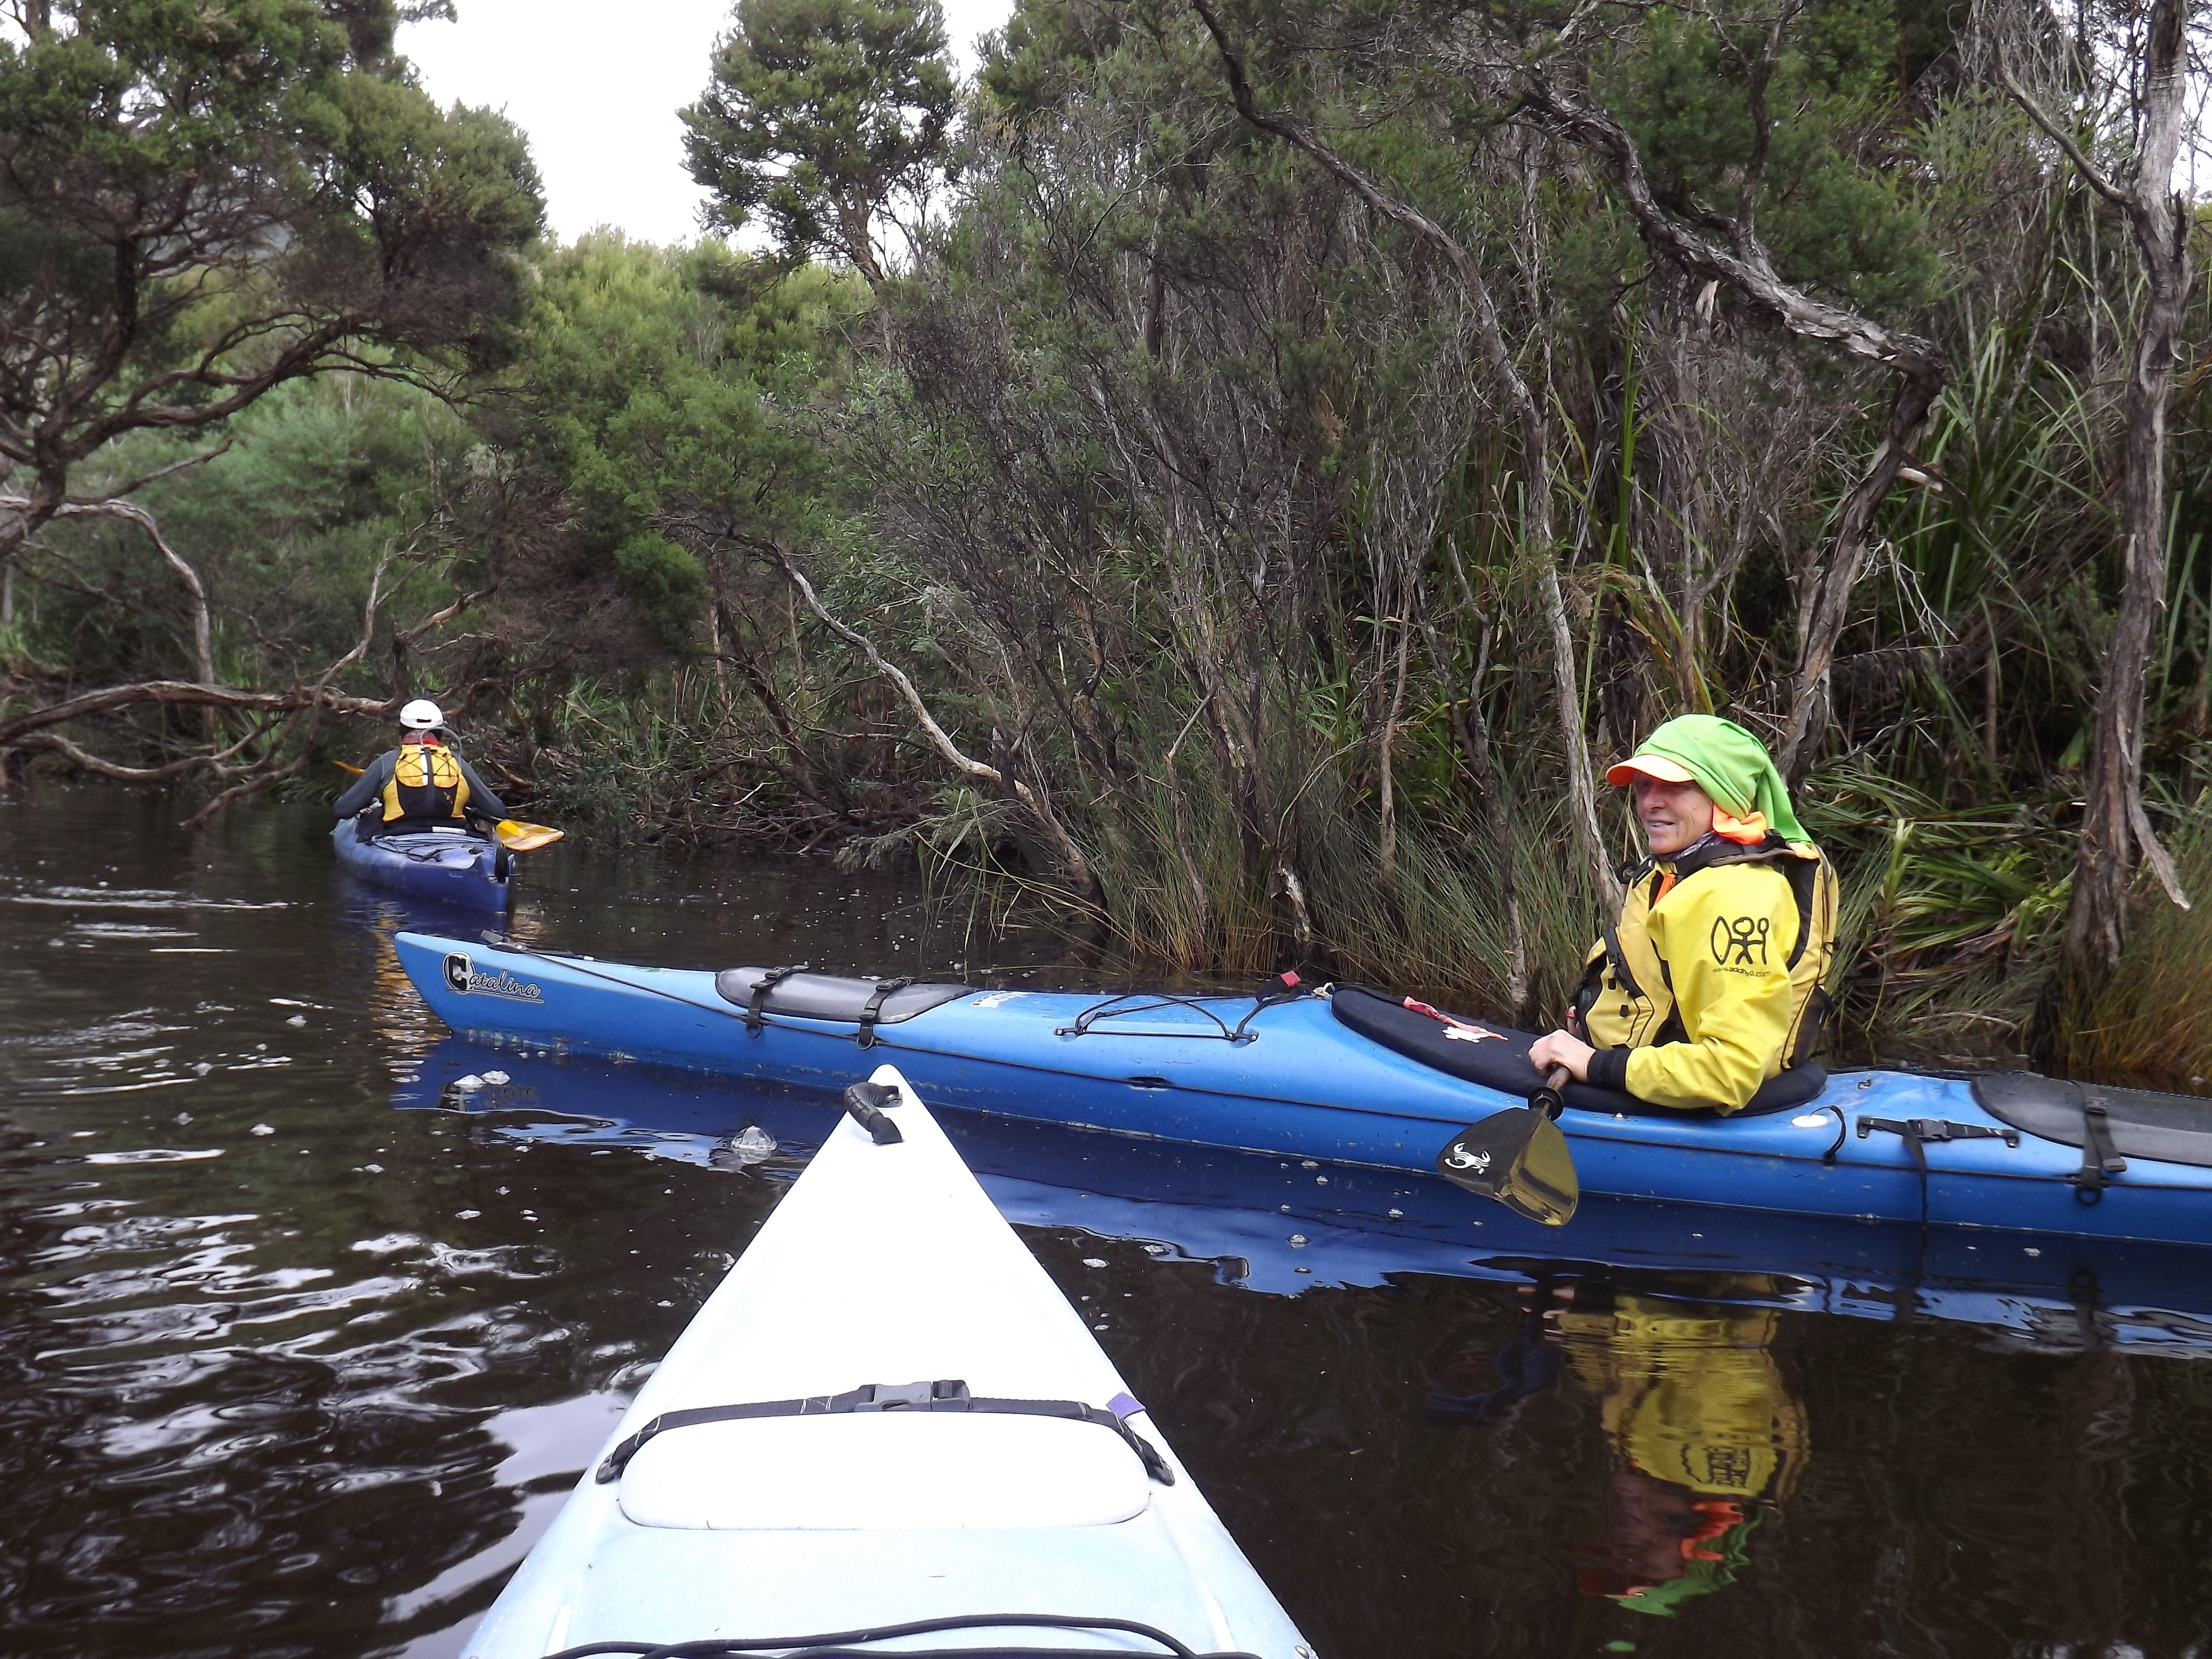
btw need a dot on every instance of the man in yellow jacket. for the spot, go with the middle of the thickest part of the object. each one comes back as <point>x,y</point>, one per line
<point>1709,985</point>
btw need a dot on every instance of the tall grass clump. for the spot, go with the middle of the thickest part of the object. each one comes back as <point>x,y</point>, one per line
<point>2152,1020</point>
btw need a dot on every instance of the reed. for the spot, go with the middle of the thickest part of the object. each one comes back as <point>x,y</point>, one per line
<point>2152,1021</point>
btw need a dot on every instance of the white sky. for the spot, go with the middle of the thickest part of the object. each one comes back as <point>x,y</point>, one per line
<point>597,87</point>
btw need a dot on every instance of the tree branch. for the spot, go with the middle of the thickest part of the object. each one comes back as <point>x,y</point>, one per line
<point>112,507</point>
<point>1076,866</point>
<point>2090,175</point>
<point>184,694</point>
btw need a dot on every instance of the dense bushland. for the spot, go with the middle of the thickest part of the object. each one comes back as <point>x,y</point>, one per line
<point>1228,477</point>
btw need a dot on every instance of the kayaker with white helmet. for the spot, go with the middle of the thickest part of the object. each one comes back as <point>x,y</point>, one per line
<point>1710,984</point>
<point>423,781</point>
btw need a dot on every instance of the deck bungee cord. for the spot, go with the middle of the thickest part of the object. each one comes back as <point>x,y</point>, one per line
<point>1285,988</point>
<point>838,1643</point>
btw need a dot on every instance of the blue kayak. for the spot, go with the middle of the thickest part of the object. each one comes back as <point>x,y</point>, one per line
<point>452,865</point>
<point>1292,1077</point>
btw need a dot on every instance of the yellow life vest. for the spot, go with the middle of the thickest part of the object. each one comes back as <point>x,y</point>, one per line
<point>426,782</point>
<point>1626,1000</point>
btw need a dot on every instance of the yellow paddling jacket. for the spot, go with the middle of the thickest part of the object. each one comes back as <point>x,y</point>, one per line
<point>1710,984</point>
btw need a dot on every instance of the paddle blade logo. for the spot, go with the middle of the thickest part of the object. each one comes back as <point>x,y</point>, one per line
<point>1457,1156</point>
<point>461,977</point>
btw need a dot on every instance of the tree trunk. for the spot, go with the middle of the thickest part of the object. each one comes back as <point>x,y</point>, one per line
<point>1830,606</point>
<point>2116,832</point>
<point>1386,840</point>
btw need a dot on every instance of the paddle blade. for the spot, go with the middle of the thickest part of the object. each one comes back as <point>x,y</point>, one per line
<point>1519,1157</point>
<point>518,837</point>
<point>348,766</point>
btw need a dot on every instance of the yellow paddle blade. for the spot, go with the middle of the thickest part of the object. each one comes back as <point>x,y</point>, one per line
<point>343,766</point>
<point>518,837</point>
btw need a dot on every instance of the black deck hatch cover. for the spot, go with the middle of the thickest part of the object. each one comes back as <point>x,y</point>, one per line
<point>2174,1128</point>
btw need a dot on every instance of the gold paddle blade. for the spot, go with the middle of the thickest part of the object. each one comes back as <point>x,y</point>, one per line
<point>518,837</point>
<point>1519,1157</point>
<point>343,767</point>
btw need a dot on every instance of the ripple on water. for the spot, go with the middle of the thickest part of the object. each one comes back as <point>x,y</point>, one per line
<point>134,899</point>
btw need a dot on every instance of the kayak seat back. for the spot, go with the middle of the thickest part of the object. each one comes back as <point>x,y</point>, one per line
<point>884,1472</point>
<point>1499,1060</point>
<point>2174,1128</point>
<point>825,996</point>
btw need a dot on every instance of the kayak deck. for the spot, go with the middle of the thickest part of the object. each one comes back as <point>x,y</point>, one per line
<point>886,1267</point>
<point>456,868</point>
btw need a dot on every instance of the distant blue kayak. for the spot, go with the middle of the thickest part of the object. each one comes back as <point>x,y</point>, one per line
<point>1295,1078</point>
<point>453,867</point>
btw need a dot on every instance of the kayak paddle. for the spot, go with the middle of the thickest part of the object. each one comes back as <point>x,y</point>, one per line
<point>1519,1157</point>
<point>512,834</point>
<point>518,837</point>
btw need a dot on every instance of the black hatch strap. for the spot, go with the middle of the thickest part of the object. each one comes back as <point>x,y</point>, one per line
<point>770,979</point>
<point>1918,1131</point>
<point>1285,987</point>
<point>873,1009</point>
<point>2100,1158</point>
<point>945,1395</point>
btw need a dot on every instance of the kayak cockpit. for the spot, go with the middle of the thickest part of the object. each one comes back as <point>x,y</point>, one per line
<point>884,1471</point>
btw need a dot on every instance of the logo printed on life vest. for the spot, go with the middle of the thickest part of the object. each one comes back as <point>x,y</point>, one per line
<point>463,978</point>
<point>1735,938</point>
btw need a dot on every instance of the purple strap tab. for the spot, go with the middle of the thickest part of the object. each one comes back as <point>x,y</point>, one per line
<point>1125,1405</point>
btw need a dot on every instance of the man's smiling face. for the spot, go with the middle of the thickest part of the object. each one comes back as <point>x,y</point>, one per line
<point>1674,815</point>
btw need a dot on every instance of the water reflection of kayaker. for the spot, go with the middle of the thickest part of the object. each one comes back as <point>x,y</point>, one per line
<point>423,783</point>
<point>1528,1364</point>
<point>1709,985</point>
<point>1705,1437</point>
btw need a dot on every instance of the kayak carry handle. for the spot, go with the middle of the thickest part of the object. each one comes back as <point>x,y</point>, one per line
<point>867,1101</point>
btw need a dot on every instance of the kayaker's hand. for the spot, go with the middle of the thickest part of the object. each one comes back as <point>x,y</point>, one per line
<point>1561,1049</point>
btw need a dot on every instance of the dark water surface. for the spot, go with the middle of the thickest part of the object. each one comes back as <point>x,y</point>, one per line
<point>301,1345</point>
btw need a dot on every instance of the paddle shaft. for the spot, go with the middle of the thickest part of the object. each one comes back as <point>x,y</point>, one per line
<point>1547,1099</point>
